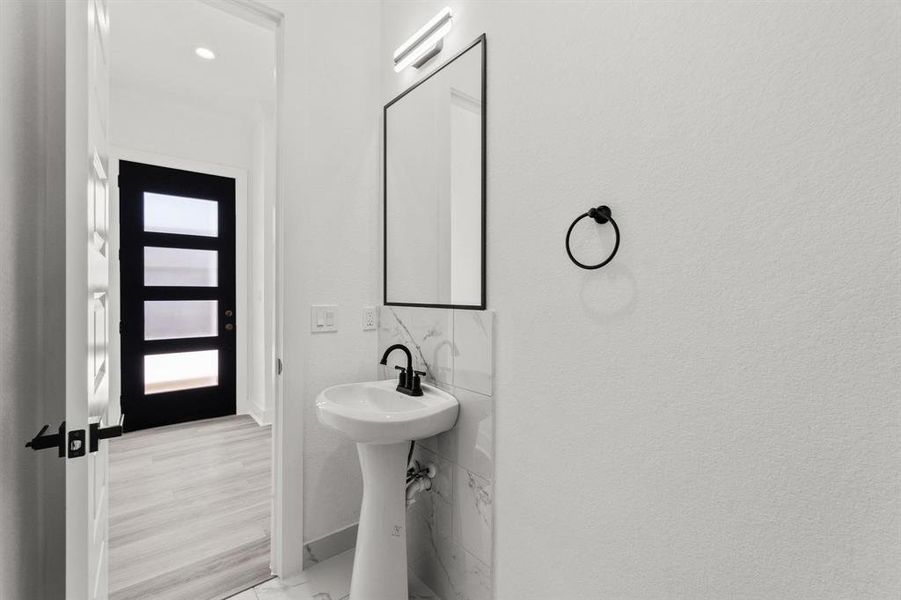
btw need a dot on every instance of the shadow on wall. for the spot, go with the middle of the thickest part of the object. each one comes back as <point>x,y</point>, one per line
<point>608,293</point>
<point>321,492</point>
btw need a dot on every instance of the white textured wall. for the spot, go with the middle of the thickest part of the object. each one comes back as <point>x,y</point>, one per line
<point>262,244</point>
<point>330,131</point>
<point>153,123</point>
<point>715,414</point>
<point>32,493</point>
<point>20,171</point>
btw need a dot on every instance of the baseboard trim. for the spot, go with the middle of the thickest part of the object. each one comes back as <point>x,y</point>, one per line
<point>330,545</point>
<point>262,417</point>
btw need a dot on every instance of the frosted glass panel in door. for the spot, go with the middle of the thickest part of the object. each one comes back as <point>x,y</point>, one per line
<point>180,267</point>
<point>180,371</point>
<point>175,319</point>
<point>176,214</point>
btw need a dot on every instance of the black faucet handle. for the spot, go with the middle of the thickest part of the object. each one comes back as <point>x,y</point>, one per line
<point>416,384</point>
<point>423,373</point>
<point>402,378</point>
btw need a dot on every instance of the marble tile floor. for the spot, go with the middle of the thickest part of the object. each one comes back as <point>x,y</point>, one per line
<point>327,580</point>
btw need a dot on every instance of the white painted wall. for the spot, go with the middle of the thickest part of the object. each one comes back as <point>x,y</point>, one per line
<point>32,495</point>
<point>155,123</point>
<point>20,168</point>
<point>713,415</point>
<point>261,394</point>
<point>329,131</point>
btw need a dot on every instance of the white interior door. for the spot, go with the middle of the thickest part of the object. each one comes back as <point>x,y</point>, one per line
<point>87,301</point>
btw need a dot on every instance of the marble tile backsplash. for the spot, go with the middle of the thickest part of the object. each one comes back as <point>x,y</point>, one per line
<point>450,529</point>
<point>427,332</point>
<point>472,362</point>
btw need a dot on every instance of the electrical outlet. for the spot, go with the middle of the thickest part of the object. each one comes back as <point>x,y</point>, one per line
<point>369,318</point>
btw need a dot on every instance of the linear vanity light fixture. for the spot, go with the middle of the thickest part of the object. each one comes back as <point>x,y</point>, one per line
<point>425,43</point>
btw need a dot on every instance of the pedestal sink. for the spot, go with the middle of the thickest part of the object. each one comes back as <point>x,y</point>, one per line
<point>382,422</point>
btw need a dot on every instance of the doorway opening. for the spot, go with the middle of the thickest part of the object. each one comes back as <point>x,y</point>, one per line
<point>193,367</point>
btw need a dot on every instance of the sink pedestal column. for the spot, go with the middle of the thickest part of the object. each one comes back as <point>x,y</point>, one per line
<point>380,558</point>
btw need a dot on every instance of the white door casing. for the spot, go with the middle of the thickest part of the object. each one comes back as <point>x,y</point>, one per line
<point>87,298</point>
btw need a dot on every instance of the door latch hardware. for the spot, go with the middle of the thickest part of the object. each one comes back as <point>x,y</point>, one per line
<point>76,443</point>
<point>54,440</point>
<point>104,433</point>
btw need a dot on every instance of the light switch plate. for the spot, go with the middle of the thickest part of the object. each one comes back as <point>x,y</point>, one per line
<point>323,318</point>
<point>369,318</point>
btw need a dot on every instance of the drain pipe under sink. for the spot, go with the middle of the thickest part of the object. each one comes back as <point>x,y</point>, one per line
<point>419,481</point>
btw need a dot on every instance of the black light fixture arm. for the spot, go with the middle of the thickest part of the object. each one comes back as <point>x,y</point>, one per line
<point>601,216</point>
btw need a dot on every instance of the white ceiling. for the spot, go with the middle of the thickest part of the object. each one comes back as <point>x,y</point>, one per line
<point>152,51</point>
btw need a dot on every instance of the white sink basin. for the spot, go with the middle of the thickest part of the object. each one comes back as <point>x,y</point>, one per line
<point>376,413</point>
<point>383,421</point>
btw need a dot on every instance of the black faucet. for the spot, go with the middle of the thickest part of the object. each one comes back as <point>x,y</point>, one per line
<point>409,382</point>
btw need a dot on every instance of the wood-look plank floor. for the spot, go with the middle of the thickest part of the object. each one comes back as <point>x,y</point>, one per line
<point>190,508</point>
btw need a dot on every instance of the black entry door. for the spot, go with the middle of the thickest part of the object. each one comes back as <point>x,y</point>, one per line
<point>178,295</point>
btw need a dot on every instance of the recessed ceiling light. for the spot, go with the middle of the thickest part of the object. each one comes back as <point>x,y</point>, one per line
<point>204,53</point>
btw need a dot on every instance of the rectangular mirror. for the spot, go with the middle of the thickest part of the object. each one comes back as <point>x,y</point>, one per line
<point>434,177</point>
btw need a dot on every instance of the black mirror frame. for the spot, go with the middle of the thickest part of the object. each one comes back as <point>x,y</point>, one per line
<point>482,39</point>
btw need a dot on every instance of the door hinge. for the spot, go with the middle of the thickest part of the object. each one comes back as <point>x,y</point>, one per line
<point>278,366</point>
<point>120,327</point>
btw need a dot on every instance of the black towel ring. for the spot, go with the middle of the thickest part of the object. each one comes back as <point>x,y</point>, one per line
<point>601,215</point>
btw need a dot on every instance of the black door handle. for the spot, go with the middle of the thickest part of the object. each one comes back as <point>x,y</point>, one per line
<point>54,440</point>
<point>104,433</point>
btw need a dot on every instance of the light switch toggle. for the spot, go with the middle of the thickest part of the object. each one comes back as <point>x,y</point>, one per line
<point>324,318</point>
